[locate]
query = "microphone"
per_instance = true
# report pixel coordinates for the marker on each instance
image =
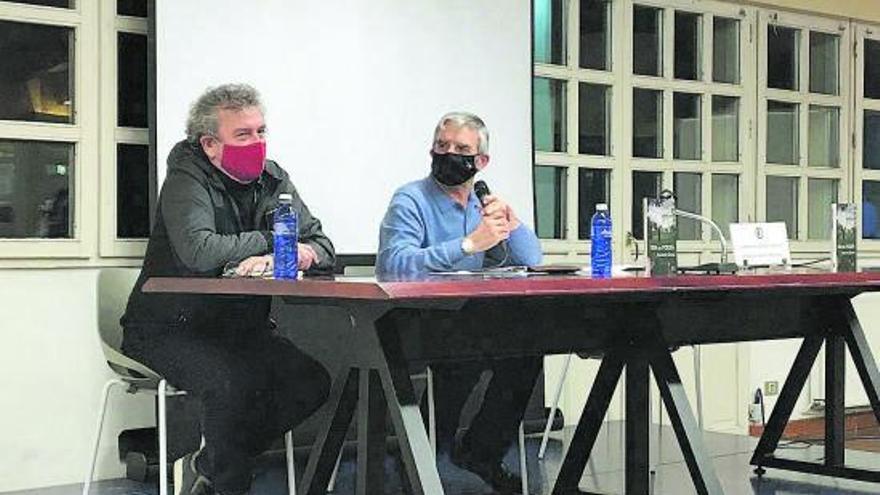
(481, 190)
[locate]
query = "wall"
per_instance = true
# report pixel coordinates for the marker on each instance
(53, 371)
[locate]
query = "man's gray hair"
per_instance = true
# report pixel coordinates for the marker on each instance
(465, 119)
(203, 119)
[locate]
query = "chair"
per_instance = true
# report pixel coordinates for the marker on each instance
(114, 286)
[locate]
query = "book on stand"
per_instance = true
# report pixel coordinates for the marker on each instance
(661, 235)
(843, 236)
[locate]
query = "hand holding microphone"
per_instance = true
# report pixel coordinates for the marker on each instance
(495, 226)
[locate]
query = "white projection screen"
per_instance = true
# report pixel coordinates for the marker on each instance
(353, 89)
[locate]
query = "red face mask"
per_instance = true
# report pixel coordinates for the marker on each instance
(244, 163)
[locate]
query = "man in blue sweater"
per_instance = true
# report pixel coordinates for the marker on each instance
(438, 224)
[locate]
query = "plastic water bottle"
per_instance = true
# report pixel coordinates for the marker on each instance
(285, 233)
(600, 236)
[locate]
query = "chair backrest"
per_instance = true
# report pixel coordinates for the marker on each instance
(114, 286)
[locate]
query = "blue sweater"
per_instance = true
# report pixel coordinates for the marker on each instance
(423, 229)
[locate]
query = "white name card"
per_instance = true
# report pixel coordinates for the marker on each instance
(760, 244)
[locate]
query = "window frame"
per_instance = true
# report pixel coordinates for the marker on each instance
(112, 134)
(804, 99)
(82, 133)
(861, 32)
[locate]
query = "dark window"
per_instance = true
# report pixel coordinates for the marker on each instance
(870, 205)
(36, 80)
(549, 32)
(594, 187)
(647, 41)
(132, 82)
(782, 57)
(687, 46)
(594, 33)
(645, 185)
(550, 184)
(36, 189)
(872, 69)
(132, 191)
(134, 8)
(594, 119)
(647, 123)
(65, 4)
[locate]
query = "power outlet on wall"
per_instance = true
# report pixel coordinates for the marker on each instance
(771, 388)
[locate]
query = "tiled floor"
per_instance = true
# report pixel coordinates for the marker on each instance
(603, 474)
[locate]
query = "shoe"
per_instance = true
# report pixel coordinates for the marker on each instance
(194, 482)
(496, 474)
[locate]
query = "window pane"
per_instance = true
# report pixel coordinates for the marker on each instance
(549, 112)
(725, 202)
(647, 123)
(594, 187)
(647, 41)
(872, 69)
(37, 75)
(687, 127)
(823, 63)
(870, 205)
(132, 191)
(549, 32)
(645, 185)
(824, 148)
(688, 50)
(782, 200)
(595, 48)
(132, 81)
(688, 197)
(725, 129)
(594, 119)
(67, 4)
(782, 57)
(725, 50)
(820, 194)
(134, 8)
(871, 141)
(782, 133)
(36, 184)
(550, 184)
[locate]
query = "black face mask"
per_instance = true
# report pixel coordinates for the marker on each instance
(451, 169)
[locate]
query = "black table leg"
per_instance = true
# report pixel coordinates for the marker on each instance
(371, 435)
(403, 407)
(328, 443)
(835, 416)
(584, 438)
(687, 430)
(860, 352)
(788, 397)
(638, 417)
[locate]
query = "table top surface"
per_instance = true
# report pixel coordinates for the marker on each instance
(520, 285)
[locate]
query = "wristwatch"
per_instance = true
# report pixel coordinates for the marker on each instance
(467, 245)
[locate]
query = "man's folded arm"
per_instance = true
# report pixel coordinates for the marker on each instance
(189, 219)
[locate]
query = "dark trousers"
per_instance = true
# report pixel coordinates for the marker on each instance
(254, 386)
(494, 426)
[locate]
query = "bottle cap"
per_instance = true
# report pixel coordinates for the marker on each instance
(285, 197)
(601, 207)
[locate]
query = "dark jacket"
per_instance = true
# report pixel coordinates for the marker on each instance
(197, 232)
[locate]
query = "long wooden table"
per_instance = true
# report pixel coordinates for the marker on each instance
(633, 323)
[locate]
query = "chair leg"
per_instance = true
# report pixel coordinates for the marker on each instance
(163, 438)
(523, 465)
(291, 470)
(102, 409)
(332, 484)
(556, 394)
